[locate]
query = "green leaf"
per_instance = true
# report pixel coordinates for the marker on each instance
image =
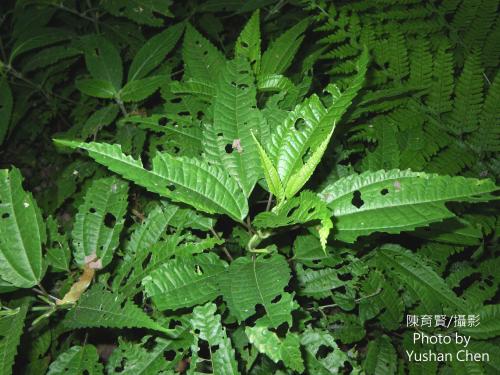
(22, 233)
(270, 173)
(103, 60)
(153, 52)
(303, 209)
(268, 343)
(395, 201)
(6, 105)
(11, 329)
(381, 357)
(202, 60)
(96, 87)
(208, 327)
(185, 281)
(408, 268)
(140, 89)
(100, 220)
(489, 325)
(98, 307)
(203, 89)
(279, 55)
(187, 180)
(312, 340)
(228, 143)
(35, 38)
(77, 360)
(99, 119)
(143, 12)
(248, 42)
(49, 56)
(249, 282)
(59, 254)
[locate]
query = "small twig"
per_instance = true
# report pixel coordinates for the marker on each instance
(224, 248)
(138, 214)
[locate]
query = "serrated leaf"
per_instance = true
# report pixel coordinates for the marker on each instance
(37, 37)
(98, 307)
(205, 90)
(395, 201)
(270, 173)
(96, 87)
(140, 11)
(228, 142)
(268, 343)
(489, 325)
(381, 357)
(303, 209)
(100, 220)
(279, 55)
(312, 340)
(49, 56)
(77, 360)
(185, 281)
(208, 327)
(248, 42)
(22, 232)
(135, 91)
(153, 52)
(188, 180)
(249, 282)
(11, 329)
(6, 105)
(99, 119)
(202, 60)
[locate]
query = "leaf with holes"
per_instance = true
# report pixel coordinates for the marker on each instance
(100, 220)
(77, 360)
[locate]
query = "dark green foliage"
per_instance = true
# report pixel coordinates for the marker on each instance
(248, 187)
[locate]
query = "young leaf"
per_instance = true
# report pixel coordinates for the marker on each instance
(100, 308)
(153, 52)
(286, 350)
(100, 220)
(279, 56)
(250, 282)
(185, 281)
(192, 181)
(22, 232)
(248, 43)
(11, 329)
(395, 201)
(270, 173)
(229, 142)
(208, 326)
(6, 104)
(77, 360)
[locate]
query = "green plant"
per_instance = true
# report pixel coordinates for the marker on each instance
(209, 190)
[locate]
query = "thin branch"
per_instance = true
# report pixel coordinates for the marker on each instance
(269, 202)
(226, 251)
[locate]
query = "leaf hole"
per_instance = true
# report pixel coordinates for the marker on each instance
(384, 191)
(173, 323)
(162, 121)
(5, 215)
(276, 299)
(243, 86)
(169, 355)
(109, 220)
(299, 125)
(229, 148)
(92, 210)
(292, 211)
(171, 187)
(324, 351)
(214, 348)
(244, 44)
(356, 199)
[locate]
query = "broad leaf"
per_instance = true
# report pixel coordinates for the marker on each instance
(185, 281)
(140, 89)
(22, 232)
(248, 43)
(100, 220)
(381, 357)
(77, 360)
(249, 282)
(100, 308)
(192, 181)
(395, 201)
(96, 87)
(207, 325)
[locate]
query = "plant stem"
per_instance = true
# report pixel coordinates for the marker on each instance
(224, 248)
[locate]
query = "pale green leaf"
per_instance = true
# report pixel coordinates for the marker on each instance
(22, 232)
(96, 87)
(100, 220)
(153, 52)
(185, 281)
(101, 308)
(395, 201)
(77, 360)
(270, 173)
(187, 180)
(208, 327)
(312, 340)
